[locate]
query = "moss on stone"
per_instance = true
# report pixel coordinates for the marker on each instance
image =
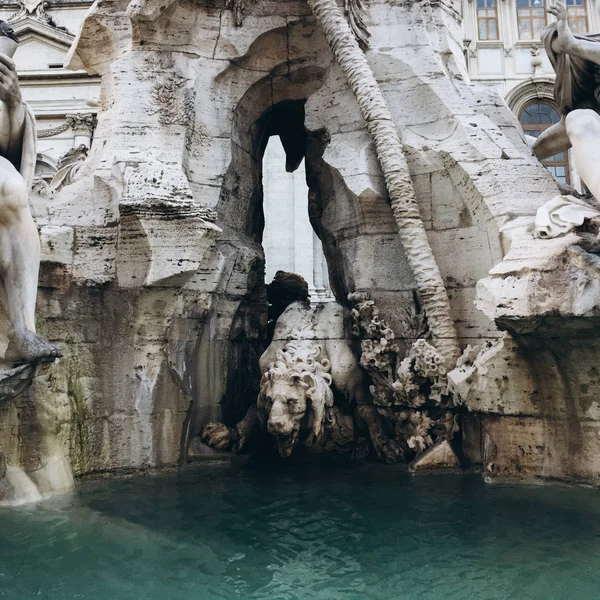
(79, 450)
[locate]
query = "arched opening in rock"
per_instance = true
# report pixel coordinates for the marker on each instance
(351, 227)
(300, 154)
(235, 335)
(289, 240)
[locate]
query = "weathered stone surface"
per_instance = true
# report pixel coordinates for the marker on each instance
(152, 266)
(440, 456)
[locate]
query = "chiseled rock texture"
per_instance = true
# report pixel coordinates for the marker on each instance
(152, 275)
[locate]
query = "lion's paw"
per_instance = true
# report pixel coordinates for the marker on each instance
(217, 435)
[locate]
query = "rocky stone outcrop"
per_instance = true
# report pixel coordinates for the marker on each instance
(152, 266)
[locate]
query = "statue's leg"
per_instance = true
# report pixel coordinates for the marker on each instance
(553, 140)
(583, 129)
(19, 268)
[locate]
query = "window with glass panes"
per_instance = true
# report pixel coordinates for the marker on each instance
(531, 19)
(535, 118)
(577, 13)
(487, 19)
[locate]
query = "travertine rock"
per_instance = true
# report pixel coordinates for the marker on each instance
(440, 456)
(152, 266)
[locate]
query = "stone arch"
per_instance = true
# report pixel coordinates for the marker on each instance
(45, 166)
(234, 336)
(351, 224)
(532, 89)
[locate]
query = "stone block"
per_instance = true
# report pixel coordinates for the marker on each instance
(440, 456)
(464, 255)
(470, 322)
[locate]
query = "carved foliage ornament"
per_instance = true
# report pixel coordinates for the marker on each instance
(357, 15)
(52, 131)
(84, 123)
(80, 123)
(36, 9)
(412, 394)
(174, 103)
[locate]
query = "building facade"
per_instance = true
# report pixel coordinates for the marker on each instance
(289, 240)
(64, 102)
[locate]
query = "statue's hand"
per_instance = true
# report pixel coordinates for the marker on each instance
(564, 40)
(10, 92)
(559, 10)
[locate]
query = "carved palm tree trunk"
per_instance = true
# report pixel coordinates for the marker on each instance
(391, 157)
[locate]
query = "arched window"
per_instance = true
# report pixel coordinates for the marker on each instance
(535, 118)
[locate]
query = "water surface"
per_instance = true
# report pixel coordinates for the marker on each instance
(301, 532)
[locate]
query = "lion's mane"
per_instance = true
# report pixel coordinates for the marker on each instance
(301, 363)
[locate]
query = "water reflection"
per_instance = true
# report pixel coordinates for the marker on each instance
(295, 532)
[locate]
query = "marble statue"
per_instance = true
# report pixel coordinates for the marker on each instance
(68, 167)
(561, 214)
(19, 240)
(313, 392)
(296, 384)
(308, 360)
(576, 61)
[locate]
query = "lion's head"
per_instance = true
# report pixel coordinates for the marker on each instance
(294, 395)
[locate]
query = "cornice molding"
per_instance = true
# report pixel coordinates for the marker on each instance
(28, 24)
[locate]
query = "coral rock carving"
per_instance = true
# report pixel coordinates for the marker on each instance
(411, 394)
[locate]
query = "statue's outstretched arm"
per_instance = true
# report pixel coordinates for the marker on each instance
(552, 141)
(566, 43)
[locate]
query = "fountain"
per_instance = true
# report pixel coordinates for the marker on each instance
(295, 435)
(459, 337)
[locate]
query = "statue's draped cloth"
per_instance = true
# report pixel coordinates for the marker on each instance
(25, 158)
(577, 82)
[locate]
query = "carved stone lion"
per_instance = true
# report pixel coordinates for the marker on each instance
(312, 390)
(295, 393)
(308, 362)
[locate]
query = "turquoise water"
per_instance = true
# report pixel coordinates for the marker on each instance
(291, 532)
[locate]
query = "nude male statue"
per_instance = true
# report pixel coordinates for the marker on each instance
(576, 61)
(19, 240)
